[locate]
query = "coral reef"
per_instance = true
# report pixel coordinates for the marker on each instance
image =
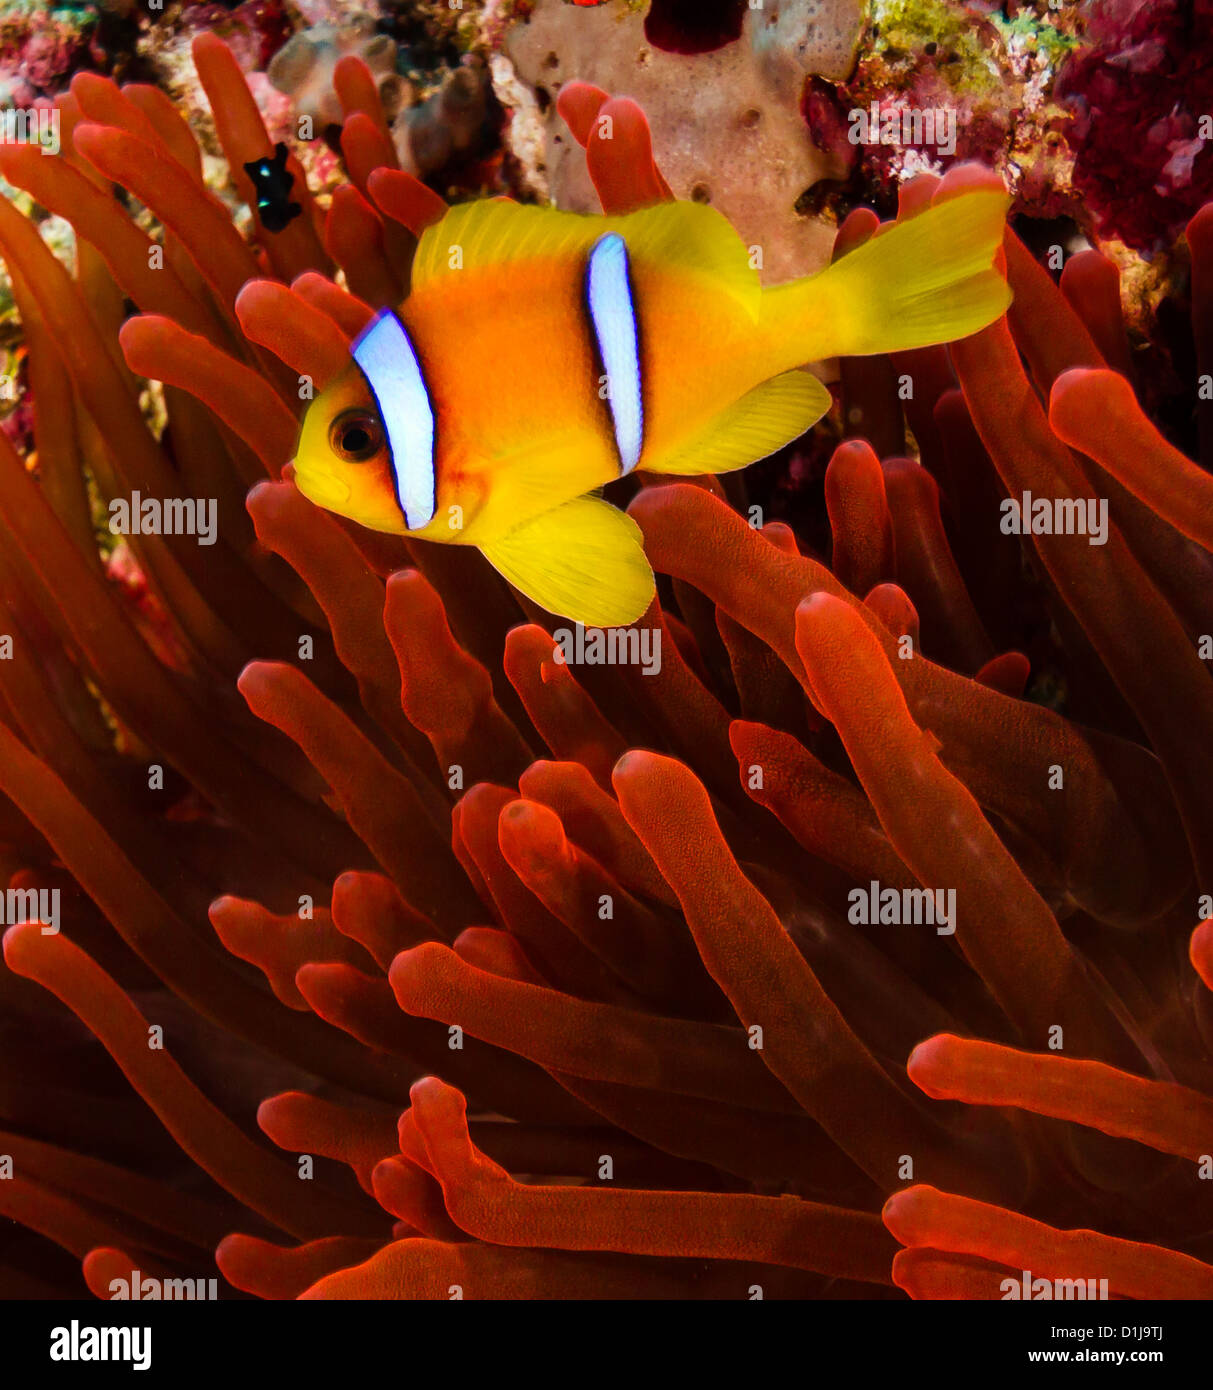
(1091, 113)
(1046, 95)
(254, 30)
(452, 123)
(727, 122)
(992, 74)
(303, 69)
(1141, 91)
(438, 117)
(41, 47)
(548, 978)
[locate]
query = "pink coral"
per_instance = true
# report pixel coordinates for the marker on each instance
(39, 50)
(1140, 89)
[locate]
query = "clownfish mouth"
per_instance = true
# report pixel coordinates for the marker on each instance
(323, 489)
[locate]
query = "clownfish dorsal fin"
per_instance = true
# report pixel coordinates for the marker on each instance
(678, 235)
(583, 561)
(762, 421)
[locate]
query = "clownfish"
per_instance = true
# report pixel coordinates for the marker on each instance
(541, 354)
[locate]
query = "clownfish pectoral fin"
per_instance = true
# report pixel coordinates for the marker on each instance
(762, 421)
(582, 561)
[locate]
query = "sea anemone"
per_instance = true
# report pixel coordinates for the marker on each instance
(554, 969)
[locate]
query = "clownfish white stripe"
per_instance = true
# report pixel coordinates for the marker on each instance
(387, 360)
(613, 315)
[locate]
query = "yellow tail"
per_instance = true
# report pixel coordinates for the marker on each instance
(926, 280)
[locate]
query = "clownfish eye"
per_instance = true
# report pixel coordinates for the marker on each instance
(355, 436)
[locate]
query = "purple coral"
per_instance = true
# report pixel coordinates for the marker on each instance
(1140, 92)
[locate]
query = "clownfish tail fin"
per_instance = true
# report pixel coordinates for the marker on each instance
(929, 279)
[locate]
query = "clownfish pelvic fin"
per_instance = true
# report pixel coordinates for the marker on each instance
(584, 558)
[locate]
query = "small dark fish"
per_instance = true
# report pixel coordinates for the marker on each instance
(272, 184)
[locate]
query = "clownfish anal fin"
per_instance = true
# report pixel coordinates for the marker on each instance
(582, 561)
(761, 422)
